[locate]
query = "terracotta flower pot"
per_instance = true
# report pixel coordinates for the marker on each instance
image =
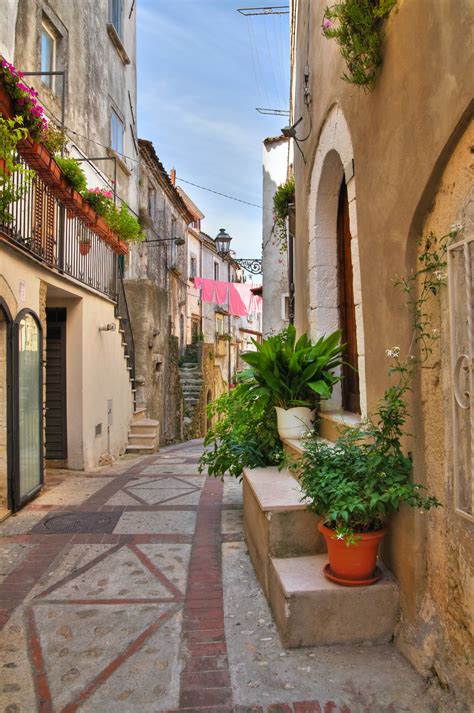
(84, 247)
(353, 565)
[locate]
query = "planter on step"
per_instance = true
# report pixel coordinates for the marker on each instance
(294, 422)
(355, 564)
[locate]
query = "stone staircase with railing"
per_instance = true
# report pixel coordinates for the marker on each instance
(289, 553)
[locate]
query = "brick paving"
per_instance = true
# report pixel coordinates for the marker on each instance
(141, 618)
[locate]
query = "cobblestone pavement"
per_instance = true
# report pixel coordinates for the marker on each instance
(131, 590)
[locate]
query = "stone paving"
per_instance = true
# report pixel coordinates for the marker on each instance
(151, 604)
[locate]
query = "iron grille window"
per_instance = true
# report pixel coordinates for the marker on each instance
(461, 312)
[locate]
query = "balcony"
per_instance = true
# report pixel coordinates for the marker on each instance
(61, 235)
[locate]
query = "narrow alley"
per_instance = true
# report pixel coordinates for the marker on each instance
(132, 589)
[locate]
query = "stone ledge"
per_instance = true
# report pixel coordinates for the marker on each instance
(310, 610)
(275, 490)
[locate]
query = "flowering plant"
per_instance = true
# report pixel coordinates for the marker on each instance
(72, 171)
(358, 481)
(100, 199)
(123, 223)
(25, 102)
(11, 190)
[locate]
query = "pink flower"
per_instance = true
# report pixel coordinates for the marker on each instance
(21, 102)
(327, 24)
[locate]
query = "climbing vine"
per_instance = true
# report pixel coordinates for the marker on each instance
(283, 198)
(11, 189)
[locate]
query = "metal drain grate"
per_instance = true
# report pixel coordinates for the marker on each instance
(78, 522)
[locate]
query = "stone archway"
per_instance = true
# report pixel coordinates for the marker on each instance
(333, 165)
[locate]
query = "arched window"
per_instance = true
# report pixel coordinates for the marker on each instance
(28, 407)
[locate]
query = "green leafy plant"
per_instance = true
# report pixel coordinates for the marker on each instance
(356, 483)
(123, 223)
(283, 198)
(53, 139)
(294, 372)
(72, 172)
(244, 435)
(11, 189)
(356, 25)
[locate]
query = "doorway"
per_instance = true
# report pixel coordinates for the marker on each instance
(56, 409)
(5, 408)
(27, 448)
(346, 306)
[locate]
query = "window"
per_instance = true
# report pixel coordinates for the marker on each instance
(174, 252)
(116, 132)
(216, 270)
(48, 56)
(193, 267)
(219, 324)
(116, 14)
(151, 202)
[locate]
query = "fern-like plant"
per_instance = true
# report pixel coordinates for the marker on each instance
(11, 190)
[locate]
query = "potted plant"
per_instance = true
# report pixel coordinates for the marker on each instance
(356, 483)
(297, 374)
(85, 245)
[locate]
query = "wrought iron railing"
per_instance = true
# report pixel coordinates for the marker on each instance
(125, 321)
(41, 225)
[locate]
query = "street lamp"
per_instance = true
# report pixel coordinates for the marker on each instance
(222, 242)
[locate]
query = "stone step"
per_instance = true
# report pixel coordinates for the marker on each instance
(333, 422)
(145, 426)
(309, 610)
(140, 450)
(295, 446)
(276, 521)
(189, 401)
(142, 439)
(138, 415)
(191, 390)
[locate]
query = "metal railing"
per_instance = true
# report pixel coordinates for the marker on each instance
(41, 225)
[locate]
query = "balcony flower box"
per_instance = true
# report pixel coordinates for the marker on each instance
(6, 104)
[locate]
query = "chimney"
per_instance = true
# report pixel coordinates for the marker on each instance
(173, 176)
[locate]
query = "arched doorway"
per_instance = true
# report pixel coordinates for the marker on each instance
(350, 396)
(6, 430)
(27, 407)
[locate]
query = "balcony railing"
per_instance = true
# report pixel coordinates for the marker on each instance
(45, 228)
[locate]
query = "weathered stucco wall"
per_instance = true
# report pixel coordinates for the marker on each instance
(97, 78)
(275, 261)
(95, 364)
(402, 136)
(440, 642)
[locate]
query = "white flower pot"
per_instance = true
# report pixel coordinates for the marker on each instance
(294, 422)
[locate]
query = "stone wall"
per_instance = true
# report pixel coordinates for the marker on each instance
(156, 372)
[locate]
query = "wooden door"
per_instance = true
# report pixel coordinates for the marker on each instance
(347, 319)
(56, 421)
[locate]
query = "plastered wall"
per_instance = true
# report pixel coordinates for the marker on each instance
(95, 364)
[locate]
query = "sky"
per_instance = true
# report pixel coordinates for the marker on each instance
(202, 70)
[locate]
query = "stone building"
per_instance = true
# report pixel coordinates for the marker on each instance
(376, 171)
(58, 306)
(157, 295)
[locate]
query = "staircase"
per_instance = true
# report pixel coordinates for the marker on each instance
(289, 553)
(143, 437)
(191, 383)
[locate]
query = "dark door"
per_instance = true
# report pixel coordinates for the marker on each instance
(347, 320)
(56, 421)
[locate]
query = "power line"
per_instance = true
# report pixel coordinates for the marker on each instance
(232, 198)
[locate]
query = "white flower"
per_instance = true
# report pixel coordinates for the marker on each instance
(456, 228)
(435, 331)
(393, 353)
(340, 536)
(440, 275)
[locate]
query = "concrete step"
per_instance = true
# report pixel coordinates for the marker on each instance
(276, 521)
(138, 415)
(140, 450)
(144, 426)
(142, 439)
(332, 423)
(309, 610)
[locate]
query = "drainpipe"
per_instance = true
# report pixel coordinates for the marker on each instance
(291, 283)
